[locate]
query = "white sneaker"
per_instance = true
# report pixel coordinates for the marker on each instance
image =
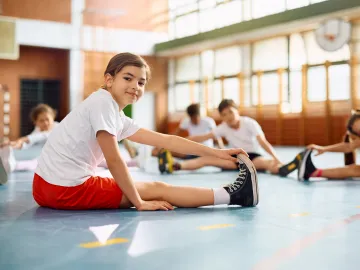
(8, 159)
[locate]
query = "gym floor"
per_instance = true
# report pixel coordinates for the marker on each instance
(312, 225)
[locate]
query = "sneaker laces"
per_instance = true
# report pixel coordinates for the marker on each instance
(238, 182)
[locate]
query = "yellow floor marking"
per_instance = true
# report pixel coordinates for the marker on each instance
(107, 243)
(216, 226)
(303, 214)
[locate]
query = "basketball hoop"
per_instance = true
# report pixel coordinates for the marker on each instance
(330, 37)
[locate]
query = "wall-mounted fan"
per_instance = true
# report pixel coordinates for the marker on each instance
(333, 34)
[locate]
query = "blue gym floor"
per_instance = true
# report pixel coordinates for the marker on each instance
(314, 225)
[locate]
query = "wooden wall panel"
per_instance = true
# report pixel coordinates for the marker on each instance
(48, 10)
(290, 131)
(34, 63)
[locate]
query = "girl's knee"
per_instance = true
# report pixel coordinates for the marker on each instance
(355, 170)
(159, 186)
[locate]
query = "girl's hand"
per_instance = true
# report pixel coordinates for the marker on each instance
(155, 205)
(229, 153)
(17, 144)
(320, 149)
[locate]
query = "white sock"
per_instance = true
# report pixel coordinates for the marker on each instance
(221, 196)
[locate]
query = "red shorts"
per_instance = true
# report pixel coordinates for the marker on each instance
(95, 193)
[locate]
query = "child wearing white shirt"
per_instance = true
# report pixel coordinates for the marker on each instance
(65, 176)
(239, 131)
(43, 118)
(194, 125)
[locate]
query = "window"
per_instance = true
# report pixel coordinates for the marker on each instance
(254, 90)
(247, 93)
(182, 7)
(207, 64)
(270, 54)
(316, 84)
(291, 4)
(182, 96)
(227, 61)
(231, 89)
(186, 25)
(339, 82)
(295, 91)
(207, 21)
(228, 13)
(187, 68)
(263, 8)
(171, 100)
(297, 52)
(216, 94)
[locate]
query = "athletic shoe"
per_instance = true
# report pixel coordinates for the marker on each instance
(292, 166)
(165, 161)
(244, 191)
(306, 167)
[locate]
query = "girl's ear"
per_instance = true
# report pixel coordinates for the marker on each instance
(108, 80)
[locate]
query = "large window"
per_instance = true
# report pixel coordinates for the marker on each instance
(277, 66)
(206, 15)
(339, 82)
(270, 54)
(227, 61)
(316, 84)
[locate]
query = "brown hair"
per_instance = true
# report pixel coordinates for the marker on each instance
(121, 60)
(226, 103)
(193, 110)
(41, 108)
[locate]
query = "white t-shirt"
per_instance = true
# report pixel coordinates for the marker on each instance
(38, 136)
(243, 137)
(205, 126)
(72, 153)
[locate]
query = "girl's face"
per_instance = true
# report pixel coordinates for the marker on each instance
(44, 121)
(127, 86)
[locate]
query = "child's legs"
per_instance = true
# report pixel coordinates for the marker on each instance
(265, 164)
(352, 170)
(200, 162)
(179, 196)
(155, 152)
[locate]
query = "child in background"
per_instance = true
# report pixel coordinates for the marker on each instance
(65, 176)
(43, 117)
(195, 125)
(307, 168)
(241, 132)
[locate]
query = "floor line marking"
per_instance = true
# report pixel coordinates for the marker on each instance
(109, 242)
(215, 226)
(303, 214)
(295, 248)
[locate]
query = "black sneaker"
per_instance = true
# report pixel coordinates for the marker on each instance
(3, 174)
(306, 167)
(244, 191)
(165, 161)
(292, 166)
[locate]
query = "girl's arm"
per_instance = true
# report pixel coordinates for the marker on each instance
(343, 147)
(181, 145)
(120, 172)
